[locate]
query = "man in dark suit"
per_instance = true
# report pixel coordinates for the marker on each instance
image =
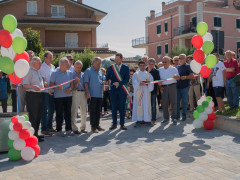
(119, 75)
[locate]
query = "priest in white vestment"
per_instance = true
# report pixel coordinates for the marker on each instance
(142, 95)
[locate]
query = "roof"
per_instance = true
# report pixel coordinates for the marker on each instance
(56, 21)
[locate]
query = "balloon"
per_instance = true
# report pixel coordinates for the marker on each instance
(197, 41)
(24, 134)
(12, 135)
(208, 47)
(31, 130)
(26, 117)
(211, 104)
(208, 110)
(213, 108)
(24, 56)
(21, 119)
(21, 68)
(5, 39)
(37, 150)
(14, 155)
(207, 37)
(31, 141)
(209, 98)
(199, 56)
(212, 116)
(6, 65)
(19, 44)
(200, 109)
(16, 33)
(9, 23)
(205, 71)
(14, 119)
(27, 125)
(211, 61)
(195, 115)
(202, 28)
(208, 125)
(10, 143)
(205, 104)
(17, 126)
(14, 79)
(8, 52)
(28, 154)
(199, 102)
(203, 116)
(195, 66)
(203, 98)
(197, 123)
(19, 144)
(11, 126)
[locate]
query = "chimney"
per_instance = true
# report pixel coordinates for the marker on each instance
(163, 3)
(152, 14)
(79, 1)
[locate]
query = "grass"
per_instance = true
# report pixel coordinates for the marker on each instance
(228, 112)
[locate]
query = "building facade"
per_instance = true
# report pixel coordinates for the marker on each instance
(64, 25)
(176, 25)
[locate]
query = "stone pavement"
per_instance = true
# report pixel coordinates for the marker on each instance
(161, 152)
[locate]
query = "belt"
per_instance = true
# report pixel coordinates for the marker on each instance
(80, 90)
(168, 85)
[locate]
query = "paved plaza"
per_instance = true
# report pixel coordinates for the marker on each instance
(159, 152)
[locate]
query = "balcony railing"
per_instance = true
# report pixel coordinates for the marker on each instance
(139, 41)
(75, 45)
(184, 30)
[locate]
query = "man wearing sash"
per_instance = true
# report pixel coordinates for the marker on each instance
(142, 95)
(119, 75)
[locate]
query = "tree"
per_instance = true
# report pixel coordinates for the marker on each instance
(33, 40)
(176, 50)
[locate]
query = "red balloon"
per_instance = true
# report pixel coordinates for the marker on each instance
(17, 126)
(212, 116)
(31, 141)
(37, 150)
(5, 39)
(199, 56)
(14, 79)
(24, 55)
(208, 124)
(197, 41)
(213, 108)
(14, 119)
(24, 134)
(205, 71)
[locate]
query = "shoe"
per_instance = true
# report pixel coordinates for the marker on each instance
(129, 117)
(77, 132)
(70, 133)
(113, 127)
(142, 122)
(46, 133)
(60, 133)
(78, 116)
(178, 118)
(165, 121)
(40, 139)
(94, 130)
(174, 121)
(100, 129)
(149, 124)
(138, 124)
(123, 128)
(52, 130)
(183, 119)
(154, 123)
(40, 136)
(83, 131)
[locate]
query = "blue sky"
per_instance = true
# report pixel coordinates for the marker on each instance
(125, 21)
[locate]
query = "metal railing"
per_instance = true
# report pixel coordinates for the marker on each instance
(61, 44)
(184, 29)
(139, 41)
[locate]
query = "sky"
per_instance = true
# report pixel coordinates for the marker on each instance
(125, 21)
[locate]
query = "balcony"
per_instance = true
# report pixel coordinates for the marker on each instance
(186, 31)
(140, 42)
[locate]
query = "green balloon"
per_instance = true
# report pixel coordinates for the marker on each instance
(10, 143)
(205, 104)
(208, 98)
(19, 44)
(211, 61)
(195, 115)
(14, 155)
(200, 109)
(6, 65)
(9, 23)
(26, 117)
(208, 47)
(202, 28)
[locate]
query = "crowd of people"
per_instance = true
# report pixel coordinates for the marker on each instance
(130, 91)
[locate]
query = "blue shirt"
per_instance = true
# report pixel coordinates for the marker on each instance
(3, 88)
(81, 82)
(59, 77)
(94, 81)
(184, 70)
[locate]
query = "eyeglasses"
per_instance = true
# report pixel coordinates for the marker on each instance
(165, 62)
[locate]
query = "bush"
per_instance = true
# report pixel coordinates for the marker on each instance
(176, 51)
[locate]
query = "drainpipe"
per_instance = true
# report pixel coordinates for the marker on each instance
(171, 33)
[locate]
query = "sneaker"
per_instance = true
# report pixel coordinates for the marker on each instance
(165, 121)
(138, 124)
(69, 133)
(183, 119)
(46, 133)
(174, 121)
(60, 133)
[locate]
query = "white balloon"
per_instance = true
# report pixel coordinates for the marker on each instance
(208, 110)
(31, 130)
(203, 98)
(197, 123)
(8, 52)
(11, 126)
(16, 33)
(21, 119)
(12, 135)
(19, 144)
(195, 66)
(27, 125)
(211, 104)
(199, 102)
(207, 37)
(28, 153)
(21, 68)
(203, 116)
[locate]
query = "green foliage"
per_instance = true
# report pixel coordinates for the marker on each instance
(176, 51)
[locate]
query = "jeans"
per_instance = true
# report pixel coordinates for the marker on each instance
(182, 94)
(47, 111)
(232, 93)
(153, 104)
(14, 100)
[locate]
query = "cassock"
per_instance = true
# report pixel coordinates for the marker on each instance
(142, 96)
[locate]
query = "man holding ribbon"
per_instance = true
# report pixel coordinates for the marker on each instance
(119, 75)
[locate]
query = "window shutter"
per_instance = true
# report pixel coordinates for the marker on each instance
(159, 29)
(34, 7)
(159, 50)
(29, 7)
(215, 21)
(238, 23)
(220, 22)
(61, 11)
(54, 11)
(166, 48)
(166, 27)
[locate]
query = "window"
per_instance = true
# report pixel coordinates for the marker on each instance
(58, 11)
(166, 26)
(238, 23)
(194, 21)
(166, 48)
(71, 40)
(217, 22)
(159, 50)
(159, 29)
(31, 7)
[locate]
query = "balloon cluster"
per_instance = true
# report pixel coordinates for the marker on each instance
(204, 114)
(204, 46)
(21, 141)
(13, 46)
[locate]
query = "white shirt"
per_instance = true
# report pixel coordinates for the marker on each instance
(217, 79)
(119, 67)
(168, 73)
(46, 72)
